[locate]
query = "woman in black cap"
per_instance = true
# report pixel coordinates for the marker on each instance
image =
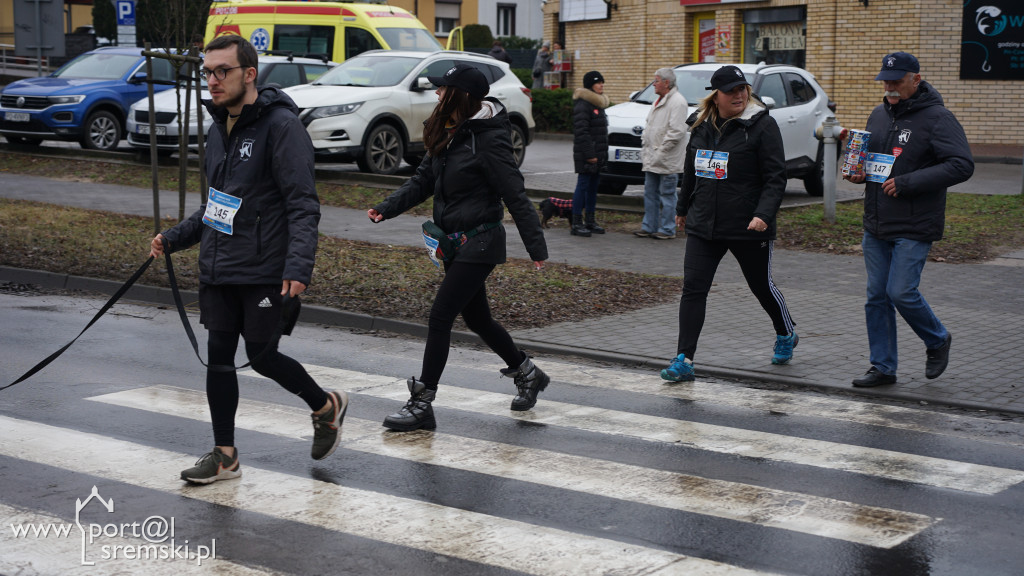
(469, 170)
(589, 150)
(733, 181)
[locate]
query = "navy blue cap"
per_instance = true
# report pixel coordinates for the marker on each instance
(465, 78)
(896, 66)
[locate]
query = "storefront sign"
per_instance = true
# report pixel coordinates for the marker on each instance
(992, 41)
(707, 40)
(780, 36)
(724, 47)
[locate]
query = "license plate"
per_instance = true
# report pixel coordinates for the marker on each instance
(628, 155)
(17, 117)
(160, 130)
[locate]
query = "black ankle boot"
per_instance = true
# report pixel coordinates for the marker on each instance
(592, 224)
(530, 380)
(417, 412)
(578, 229)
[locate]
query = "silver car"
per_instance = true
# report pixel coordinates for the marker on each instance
(278, 68)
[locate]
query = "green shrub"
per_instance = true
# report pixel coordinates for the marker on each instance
(552, 110)
(477, 36)
(519, 43)
(525, 76)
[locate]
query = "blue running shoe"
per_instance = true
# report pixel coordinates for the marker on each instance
(784, 346)
(680, 370)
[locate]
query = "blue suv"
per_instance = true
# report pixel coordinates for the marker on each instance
(86, 100)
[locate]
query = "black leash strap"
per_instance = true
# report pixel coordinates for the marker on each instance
(117, 295)
(289, 314)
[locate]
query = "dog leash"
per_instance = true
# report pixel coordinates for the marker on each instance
(289, 315)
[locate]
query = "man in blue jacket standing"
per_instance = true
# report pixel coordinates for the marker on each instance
(258, 238)
(916, 150)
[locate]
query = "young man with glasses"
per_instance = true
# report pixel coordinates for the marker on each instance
(258, 238)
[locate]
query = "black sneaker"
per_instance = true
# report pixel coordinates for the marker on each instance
(213, 466)
(327, 426)
(642, 233)
(873, 378)
(417, 412)
(938, 359)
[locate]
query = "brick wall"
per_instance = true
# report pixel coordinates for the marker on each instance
(845, 44)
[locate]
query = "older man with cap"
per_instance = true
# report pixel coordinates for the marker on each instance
(916, 150)
(663, 149)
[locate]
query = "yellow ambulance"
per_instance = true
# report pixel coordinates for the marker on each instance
(339, 29)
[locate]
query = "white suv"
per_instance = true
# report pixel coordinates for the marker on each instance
(371, 108)
(795, 99)
(278, 67)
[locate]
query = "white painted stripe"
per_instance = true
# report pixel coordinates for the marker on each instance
(777, 402)
(380, 517)
(826, 517)
(722, 439)
(53, 554)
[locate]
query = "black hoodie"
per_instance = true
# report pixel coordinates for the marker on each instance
(932, 154)
(267, 162)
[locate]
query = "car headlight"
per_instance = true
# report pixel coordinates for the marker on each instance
(338, 110)
(65, 99)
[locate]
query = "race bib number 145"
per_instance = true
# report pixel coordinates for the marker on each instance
(220, 211)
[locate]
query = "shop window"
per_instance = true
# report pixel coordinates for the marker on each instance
(775, 36)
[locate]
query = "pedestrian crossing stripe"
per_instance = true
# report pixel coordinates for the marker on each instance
(930, 471)
(62, 555)
(452, 532)
(827, 517)
(775, 402)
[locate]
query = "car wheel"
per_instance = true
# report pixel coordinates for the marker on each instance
(613, 188)
(23, 141)
(383, 151)
(414, 158)
(102, 131)
(814, 183)
(518, 144)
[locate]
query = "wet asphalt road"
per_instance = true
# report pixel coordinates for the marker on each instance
(613, 471)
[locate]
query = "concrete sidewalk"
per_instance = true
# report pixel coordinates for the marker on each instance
(981, 304)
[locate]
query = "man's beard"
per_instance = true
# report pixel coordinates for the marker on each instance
(235, 100)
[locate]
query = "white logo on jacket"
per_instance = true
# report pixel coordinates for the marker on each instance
(245, 151)
(904, 137)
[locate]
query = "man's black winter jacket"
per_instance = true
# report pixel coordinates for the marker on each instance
(268, 163)
(932, 154)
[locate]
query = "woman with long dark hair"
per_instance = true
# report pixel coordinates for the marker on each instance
(469, 171)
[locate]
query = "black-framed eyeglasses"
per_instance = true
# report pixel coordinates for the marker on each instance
(219, 73)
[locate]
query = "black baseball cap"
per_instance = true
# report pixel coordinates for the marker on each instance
(726, 78)
(465, 78)
(896, 66)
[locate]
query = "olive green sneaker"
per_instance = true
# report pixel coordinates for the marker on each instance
(213, 466)
(327, 426)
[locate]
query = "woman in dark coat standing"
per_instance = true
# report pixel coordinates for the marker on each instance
(589, 150)
(469, 171)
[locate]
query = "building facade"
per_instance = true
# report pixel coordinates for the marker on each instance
(841, 42)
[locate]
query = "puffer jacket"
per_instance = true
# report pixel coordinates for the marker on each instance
(664, 136)
(268, 163)
(932, 154)
(469, 182)
(589, 130)
(755, 177)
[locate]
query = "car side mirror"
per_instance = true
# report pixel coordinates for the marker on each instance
(768, 101)
(423, 85)
(138, 78)
(633, 94)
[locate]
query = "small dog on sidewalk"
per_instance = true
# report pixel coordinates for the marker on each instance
(552, 207)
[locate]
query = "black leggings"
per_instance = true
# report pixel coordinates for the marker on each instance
(699, 267)
(222, 387)
(463, 291)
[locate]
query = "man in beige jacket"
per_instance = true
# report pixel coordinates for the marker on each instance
(664, 151)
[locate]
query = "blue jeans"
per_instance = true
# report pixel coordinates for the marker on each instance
(585, 195)
(660, 203)
(894, 273)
